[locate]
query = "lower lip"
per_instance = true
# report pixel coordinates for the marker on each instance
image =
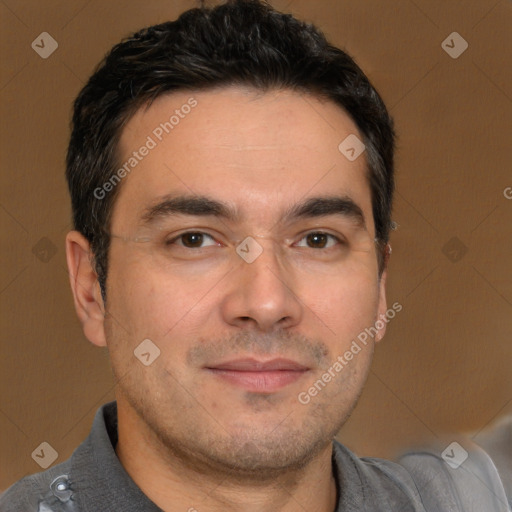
(260, 382)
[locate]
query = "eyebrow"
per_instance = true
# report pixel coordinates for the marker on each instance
(202, 206)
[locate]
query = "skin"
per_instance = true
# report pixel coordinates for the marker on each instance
(189, 439)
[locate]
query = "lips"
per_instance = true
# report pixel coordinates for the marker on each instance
(253, 365)
(259, 376)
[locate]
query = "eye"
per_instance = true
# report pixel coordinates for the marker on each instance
(319, 240)
(192, 240)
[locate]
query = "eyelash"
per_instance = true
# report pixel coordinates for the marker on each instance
(173, 240)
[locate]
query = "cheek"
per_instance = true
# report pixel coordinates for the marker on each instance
(346, 301)
(132, 295)
(153, 304)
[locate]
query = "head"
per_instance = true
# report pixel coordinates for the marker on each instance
(226, 123)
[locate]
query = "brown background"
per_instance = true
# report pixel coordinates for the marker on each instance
(445, 362)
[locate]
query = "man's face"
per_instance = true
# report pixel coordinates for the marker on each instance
(300, 289)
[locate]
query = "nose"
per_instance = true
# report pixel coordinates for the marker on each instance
(260, 295)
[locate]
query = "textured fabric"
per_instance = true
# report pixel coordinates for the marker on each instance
(97, 479)
(497, 442)
(93, 480)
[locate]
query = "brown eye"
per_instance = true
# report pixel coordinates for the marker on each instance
(192, 240)
(319, 240)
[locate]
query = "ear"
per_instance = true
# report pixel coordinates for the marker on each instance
(382, 307)
(85, 287)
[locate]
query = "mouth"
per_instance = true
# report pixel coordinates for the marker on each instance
(259, 376)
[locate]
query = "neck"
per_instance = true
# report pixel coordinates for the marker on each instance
(172, 484)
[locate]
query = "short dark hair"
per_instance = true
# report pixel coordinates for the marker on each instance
(240, 42)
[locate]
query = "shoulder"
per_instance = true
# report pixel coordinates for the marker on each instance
(457, 475)
(55, 489)
(497, 442)
(367, 483)
(41, 492)
(423, 480)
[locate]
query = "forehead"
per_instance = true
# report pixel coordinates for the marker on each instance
(257, 151)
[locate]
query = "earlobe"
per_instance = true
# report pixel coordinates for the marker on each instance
(85, 287)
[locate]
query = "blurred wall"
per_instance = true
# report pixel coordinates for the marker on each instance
(445, 361)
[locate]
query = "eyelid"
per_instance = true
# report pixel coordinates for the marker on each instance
(341, 240)
(175, 237)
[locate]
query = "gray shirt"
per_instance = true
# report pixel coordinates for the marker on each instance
(93, 480)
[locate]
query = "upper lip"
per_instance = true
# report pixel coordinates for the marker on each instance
(253, 365)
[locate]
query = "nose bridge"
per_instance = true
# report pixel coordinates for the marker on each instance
(262, 290)
(261, 266)
(263, 258)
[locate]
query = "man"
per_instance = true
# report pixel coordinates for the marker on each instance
(231, 176)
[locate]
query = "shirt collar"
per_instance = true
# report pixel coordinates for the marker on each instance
(102, 483)
(97, 474)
